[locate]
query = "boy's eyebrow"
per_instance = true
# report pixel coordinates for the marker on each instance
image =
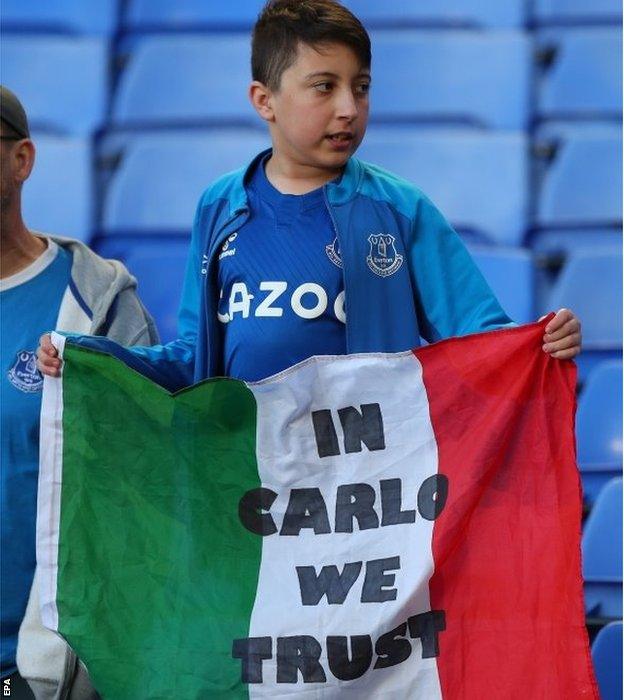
(328, 74)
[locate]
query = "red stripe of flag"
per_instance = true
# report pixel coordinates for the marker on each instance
(506, 546)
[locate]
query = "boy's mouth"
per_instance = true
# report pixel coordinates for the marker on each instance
(341, 137)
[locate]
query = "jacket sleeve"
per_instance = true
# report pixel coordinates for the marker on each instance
(171, 365)
(452, 296)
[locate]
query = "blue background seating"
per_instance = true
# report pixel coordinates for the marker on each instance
(582, 185)
(185, 79)
(459, 169)
(585, 76)
(161, 176)
(577, 11)
(599, 427)
(159, 15)
(57, 197)
(509, 272)
(416, 77)
(61, 81)
(602, 553)
(156, 15)
(72, 16)
(607, 658)
(453, 13)
(562, 242)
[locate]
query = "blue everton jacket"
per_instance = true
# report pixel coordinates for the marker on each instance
(407, 275)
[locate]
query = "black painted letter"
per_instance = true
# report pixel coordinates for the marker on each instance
(426, 627)
(373, 590)
(355, 501)
(299, 654)
(392, 648)
(391, 496)
(249, 508)
(306, 508)
(325, 434)
(432, 496)
(252, 651)
(329, 582)
(365, 427)
(340, 665)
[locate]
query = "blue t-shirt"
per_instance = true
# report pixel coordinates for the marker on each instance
(30, 301)
(281, 284)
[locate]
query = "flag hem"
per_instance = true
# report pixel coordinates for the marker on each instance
(50, 483)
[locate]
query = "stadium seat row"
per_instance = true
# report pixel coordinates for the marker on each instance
(607, 658)
(599, 428)
(151, 189)
(172, 80)
(602, 554)
(102, 17)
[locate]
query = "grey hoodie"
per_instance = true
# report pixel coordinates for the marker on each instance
(101, 299)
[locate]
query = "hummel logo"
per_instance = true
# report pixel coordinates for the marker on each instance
(226, 251)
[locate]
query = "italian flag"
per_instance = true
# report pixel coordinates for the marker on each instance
(369, 526)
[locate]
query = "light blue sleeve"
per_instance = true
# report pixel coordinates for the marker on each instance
(452, 296)
(171, 365)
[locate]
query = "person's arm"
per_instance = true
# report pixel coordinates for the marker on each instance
(452, 296)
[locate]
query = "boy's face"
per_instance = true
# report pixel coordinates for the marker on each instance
(318, 115)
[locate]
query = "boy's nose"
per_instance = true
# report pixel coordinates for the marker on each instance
(346, 107)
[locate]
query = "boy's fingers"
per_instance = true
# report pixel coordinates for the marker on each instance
(571, 342)
(561, 317)
(568, 328)
(565, 354)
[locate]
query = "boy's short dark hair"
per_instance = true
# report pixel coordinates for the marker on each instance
(282, 24)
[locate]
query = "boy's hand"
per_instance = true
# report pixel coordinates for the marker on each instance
(48, 361)
(562, 339)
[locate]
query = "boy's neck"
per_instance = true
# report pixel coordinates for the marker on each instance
(289, 178)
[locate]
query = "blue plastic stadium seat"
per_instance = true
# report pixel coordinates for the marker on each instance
(185, 79)
(417, 77)
(148, 15)
(563, 242)
(161, 177)
(584, 78)
(590, 283)
(57, 197)
(159, 267)
(602, 554)
(607, 657)
(599, 428)
(460, 169)
(455, 13)
(577, 11)
(582, 185)
(163, 15)
(72, 16)
(509, 272)
(61, 81)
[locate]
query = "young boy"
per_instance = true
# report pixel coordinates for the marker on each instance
(307, 250)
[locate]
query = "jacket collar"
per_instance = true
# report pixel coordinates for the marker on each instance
(337, 192)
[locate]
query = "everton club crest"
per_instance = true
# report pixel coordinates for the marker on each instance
(24, 374)
(383, 258)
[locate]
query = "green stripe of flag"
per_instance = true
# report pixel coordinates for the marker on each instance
(153, 517)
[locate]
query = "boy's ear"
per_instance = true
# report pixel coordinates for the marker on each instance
(260, 97)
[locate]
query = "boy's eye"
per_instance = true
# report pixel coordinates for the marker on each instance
(323, 87)
(363, 88)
